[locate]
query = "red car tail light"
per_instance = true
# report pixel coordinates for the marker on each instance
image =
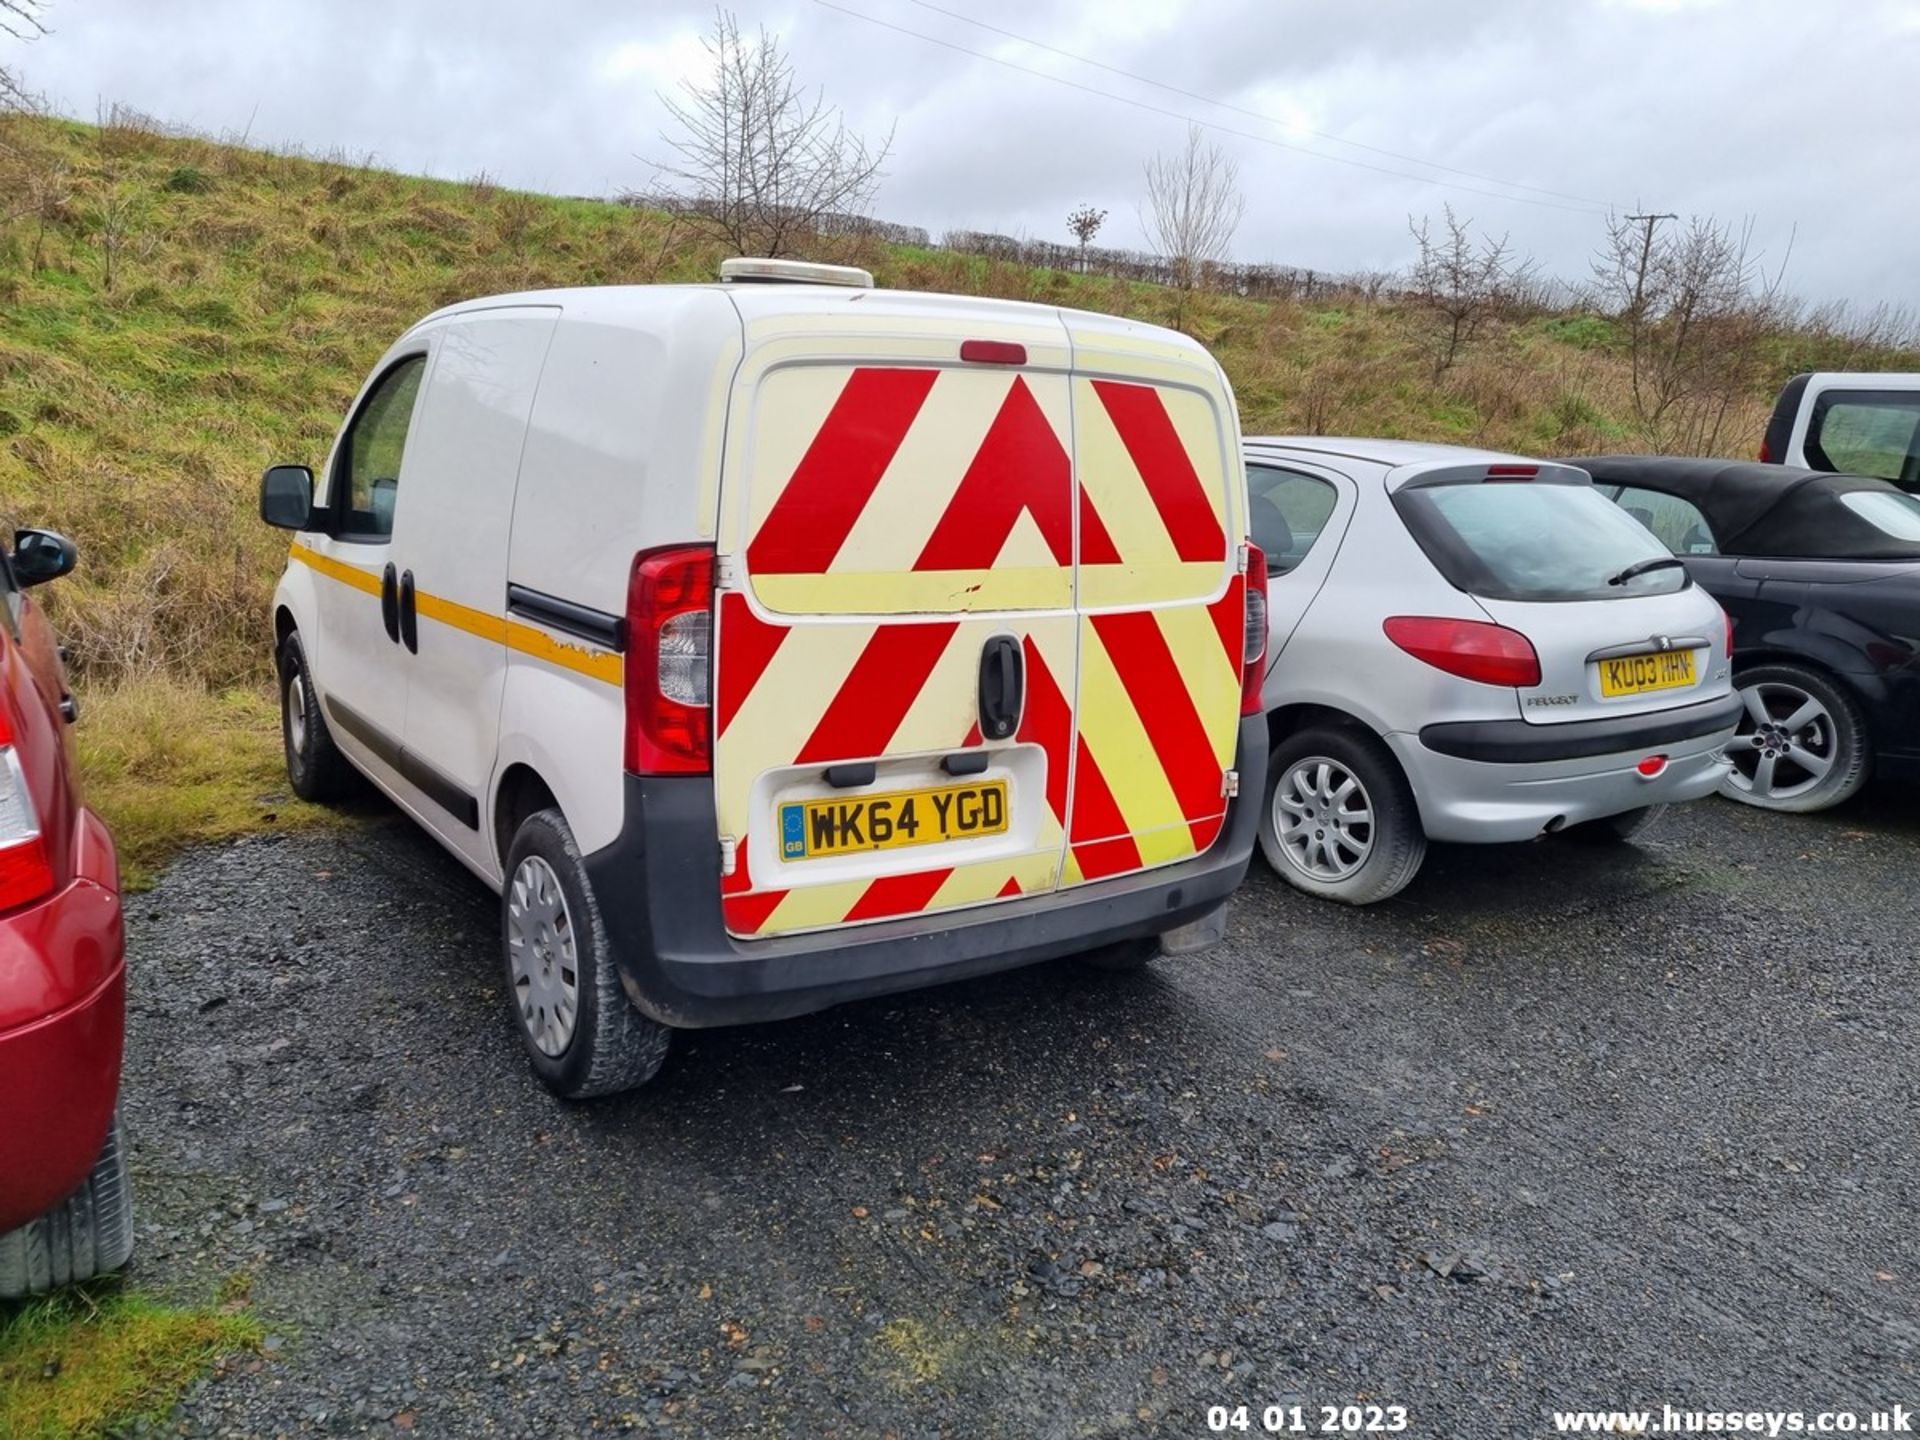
(26, 874)
(670, 662)
(1471, 649)
(1253, 670)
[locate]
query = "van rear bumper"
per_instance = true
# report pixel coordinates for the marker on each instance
(658, 889)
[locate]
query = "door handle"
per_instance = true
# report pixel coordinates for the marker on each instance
(409, 620)
(390, 603)
(1001, 673)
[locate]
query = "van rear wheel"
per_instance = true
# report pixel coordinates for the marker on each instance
(583, 1036)
(316, 769)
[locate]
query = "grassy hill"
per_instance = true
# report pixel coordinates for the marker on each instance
(175, 314)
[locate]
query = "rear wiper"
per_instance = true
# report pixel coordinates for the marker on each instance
(1641, 567)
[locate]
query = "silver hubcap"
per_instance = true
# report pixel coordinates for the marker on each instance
(542, 956)
(297, 712)
(1786, 742)
(1323, 818)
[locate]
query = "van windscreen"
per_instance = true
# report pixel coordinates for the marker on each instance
(1537, 540)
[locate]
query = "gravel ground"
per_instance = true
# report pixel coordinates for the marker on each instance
(1558, 1127)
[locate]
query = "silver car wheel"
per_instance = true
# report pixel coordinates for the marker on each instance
(297, 712)
(542, 955)
(1324, 818)
(1785, 744)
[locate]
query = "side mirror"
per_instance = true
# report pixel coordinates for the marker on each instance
(41, 555)
(286, 496)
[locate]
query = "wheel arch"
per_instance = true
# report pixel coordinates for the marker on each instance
(522, 791)
(1288, 720)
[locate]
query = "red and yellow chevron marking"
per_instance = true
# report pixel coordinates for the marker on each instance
(968, 477)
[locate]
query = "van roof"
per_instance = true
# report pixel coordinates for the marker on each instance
(640, 306)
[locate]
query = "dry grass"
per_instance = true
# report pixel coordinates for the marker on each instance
(251, 291)
(171, 764)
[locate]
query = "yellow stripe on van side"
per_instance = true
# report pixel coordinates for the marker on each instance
(349, 575)
(601, 665)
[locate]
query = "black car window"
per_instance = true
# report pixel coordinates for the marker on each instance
(1677, 523)
(1867, 432)
(1889, 513)
(1288, 510)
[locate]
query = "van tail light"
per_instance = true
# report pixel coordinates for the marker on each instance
(1254, 654)
(670, 662)
(1471, 649)
(26, 874)
(1766, 452)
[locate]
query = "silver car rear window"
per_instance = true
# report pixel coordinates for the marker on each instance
(1537, 540)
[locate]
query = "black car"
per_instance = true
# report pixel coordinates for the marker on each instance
(1820, 574)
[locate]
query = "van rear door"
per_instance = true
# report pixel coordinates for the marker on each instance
(895, 630)
(1162, 630)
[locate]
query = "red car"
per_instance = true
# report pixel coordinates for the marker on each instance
(65, 1208)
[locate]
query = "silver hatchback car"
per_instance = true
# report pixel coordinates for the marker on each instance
(1469, 646)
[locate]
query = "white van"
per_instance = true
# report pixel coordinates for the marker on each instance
(782, 641)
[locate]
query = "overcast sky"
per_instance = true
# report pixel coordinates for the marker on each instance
(1791, 113)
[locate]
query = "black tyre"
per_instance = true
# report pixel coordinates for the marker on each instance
(315, 767)
(1123, 957)
(582, 1035)
(1628, 825)
(1339, 819)
(1802, 742)
(89, 1233)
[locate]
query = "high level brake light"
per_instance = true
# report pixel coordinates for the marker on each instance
(26, 874)
(1471, 649)
(1254, 650)
(670, 662)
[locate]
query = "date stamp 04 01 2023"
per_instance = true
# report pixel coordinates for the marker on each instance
(1307, 1419)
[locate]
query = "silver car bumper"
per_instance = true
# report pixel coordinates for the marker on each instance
(1483, 802)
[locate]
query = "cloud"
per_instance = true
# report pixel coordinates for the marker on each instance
(1767, 109)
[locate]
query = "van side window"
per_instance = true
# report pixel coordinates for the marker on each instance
(1286, 513)
(1677, 523)
(1866, 432)
(369, 464)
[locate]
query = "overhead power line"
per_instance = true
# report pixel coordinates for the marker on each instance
(1255, 114)
(1585, 208)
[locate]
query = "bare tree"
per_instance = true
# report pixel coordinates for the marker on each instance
(1462, 283)
(1085, 223)
(19, 20)
(766, 165)
(1697, 309)
(1193, 207)
(115, 220)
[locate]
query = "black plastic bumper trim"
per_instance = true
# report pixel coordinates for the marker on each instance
(658, 890)
(1516, 742)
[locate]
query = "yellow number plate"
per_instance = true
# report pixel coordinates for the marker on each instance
(1639, 674)
(811, 829)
